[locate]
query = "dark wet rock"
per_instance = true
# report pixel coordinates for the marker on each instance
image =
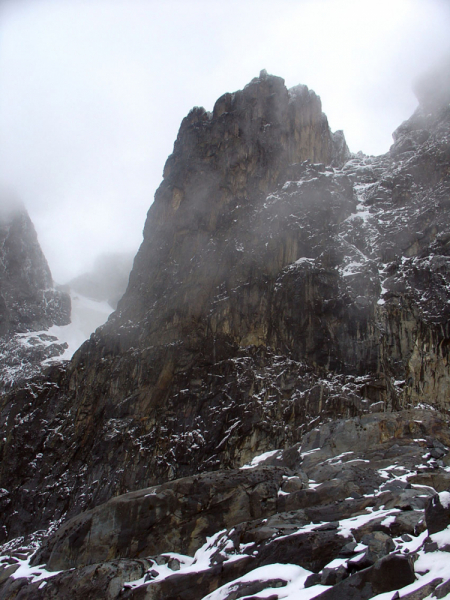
(28, 300)
(412, 499)
(351, 437)
(390, 573)
(437, 512)
(430, 547)
(192, 586)
(293, 484)
(313, 579)
(423, 591)
(378, 544)
(104, 580)
(310, 550)
(442, 590)
(13, 587)
(338, 509)
(410, 522)
(246, 589)
(259, 530)
(436, 479)
(437, 453)
(7, 572)
(348, 550)
(332, 576)
(176, 516)
(396, 485)
(325, 493)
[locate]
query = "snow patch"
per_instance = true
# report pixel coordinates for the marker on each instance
(259, 459)
(444, 499)
(86, 316)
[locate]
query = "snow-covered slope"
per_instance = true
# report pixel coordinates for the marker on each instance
(24, 355)
(86, 316)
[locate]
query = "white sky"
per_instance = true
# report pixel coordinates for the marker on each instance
(93, 93)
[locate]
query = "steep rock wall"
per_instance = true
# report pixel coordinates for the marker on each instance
(271, 292)
(27, 298)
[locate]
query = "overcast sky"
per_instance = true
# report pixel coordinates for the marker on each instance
(93, 92)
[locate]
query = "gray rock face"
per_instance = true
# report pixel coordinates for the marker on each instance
(279, 287)
(234, 524)
(388, 574)
(437, 512)
(28, 300)
(176, 516)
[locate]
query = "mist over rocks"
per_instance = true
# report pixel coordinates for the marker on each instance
(432, 89)
(289, 300)
(29, 301)
(107, 280)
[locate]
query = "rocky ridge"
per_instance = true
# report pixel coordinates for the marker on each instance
(273, 293)
(29, 303)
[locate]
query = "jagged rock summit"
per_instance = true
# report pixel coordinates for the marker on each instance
(198, 296)
(282, 285)
(28, 300)
(223, 164)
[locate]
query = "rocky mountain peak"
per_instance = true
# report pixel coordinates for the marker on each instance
(28, 300)
(26, 286)
(255, 130)
(285, 303)
(222, 164)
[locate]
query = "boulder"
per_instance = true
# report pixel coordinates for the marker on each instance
(388, 574)
(310, 550)
(191, 586)
(176, 516)
(437, 512)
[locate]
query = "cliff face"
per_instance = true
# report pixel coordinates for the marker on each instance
(280, 283)
(222, 166)
(28, 301)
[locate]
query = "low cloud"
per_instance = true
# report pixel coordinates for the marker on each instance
(93, 93)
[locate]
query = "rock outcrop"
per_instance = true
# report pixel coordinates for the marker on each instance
(178, 516)
(282, 284)
(28, 300)
(340, 515)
